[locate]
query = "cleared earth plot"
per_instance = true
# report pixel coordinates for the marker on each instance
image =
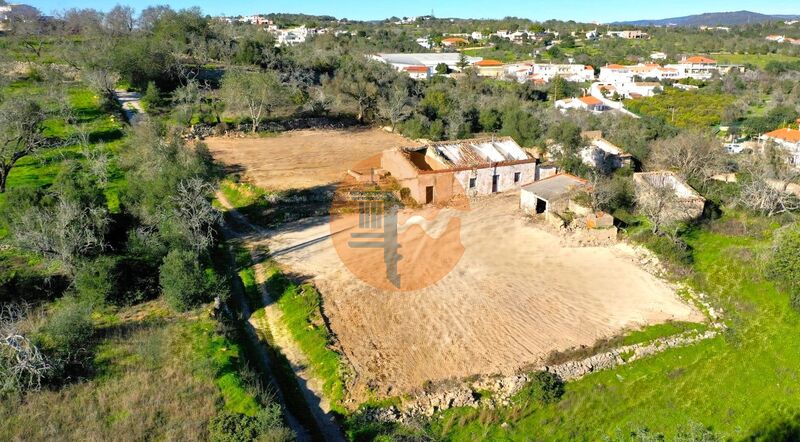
(515, 296)
(303, 158)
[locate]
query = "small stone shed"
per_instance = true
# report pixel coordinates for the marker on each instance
(549, 194)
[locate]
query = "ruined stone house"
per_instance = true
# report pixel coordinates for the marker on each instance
(437, 172)
(685, 203)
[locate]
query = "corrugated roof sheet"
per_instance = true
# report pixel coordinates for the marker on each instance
(555, 186)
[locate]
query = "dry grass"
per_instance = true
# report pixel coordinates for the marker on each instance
(148, 386)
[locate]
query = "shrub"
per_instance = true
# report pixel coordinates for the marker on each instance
(794, 300)
(68, 327)
(95, 281)
(696, 432)
(784, 265)
(152, 96)
(235, 427)
(546, 387)
(182, 280)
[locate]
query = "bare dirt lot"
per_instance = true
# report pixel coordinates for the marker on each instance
(304, 158)
(515, 295)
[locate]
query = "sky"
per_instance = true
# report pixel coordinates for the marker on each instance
(540, 10)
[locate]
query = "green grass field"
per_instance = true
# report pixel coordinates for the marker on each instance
(39, 170)
(758, 60)
(496, 54)
(744, 383)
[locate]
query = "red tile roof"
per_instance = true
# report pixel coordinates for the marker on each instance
(791, 135)
(616, 66)
(700, 60)
(591, 101)
(489, 63)
(416, 68)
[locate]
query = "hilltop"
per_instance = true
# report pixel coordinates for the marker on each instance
(712, 19)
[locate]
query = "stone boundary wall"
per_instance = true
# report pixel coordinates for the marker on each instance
(200, 131)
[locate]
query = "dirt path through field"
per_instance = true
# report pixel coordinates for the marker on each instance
(310, 385)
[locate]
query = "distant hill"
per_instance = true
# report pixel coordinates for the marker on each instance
(712, 19)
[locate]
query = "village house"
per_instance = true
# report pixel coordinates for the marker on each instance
(519, 71)
(570, 72)
(431, 60)
(438, 172)
(629, 35)
(687, 204)
(293, 36)
(620, 74)
(587, 103)
(518, 37)
(697, 67)
(418, 72)
(490, 68)
(255, 20)
(452, 42)
(788, 139)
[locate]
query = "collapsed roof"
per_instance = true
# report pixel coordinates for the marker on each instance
(473, 153)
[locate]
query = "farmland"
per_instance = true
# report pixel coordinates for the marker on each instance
(304, 158)
(379, 332)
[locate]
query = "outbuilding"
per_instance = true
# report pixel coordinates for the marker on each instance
(549, 194)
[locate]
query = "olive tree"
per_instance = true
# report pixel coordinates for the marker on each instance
(766, 182)
(395, 106)
(252, 94)
(695, 156)
(358, 84)
(195, 214)
(20, 133)
(64, 231)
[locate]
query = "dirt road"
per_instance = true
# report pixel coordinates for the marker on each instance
(131, 104)
(310, 386)
(515, 296)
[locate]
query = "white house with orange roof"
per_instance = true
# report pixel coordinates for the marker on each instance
(490, 68)
(451, 42)
(418, 72)
(620, 74)
(697, 67)
(788, 139)
(587, 103)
